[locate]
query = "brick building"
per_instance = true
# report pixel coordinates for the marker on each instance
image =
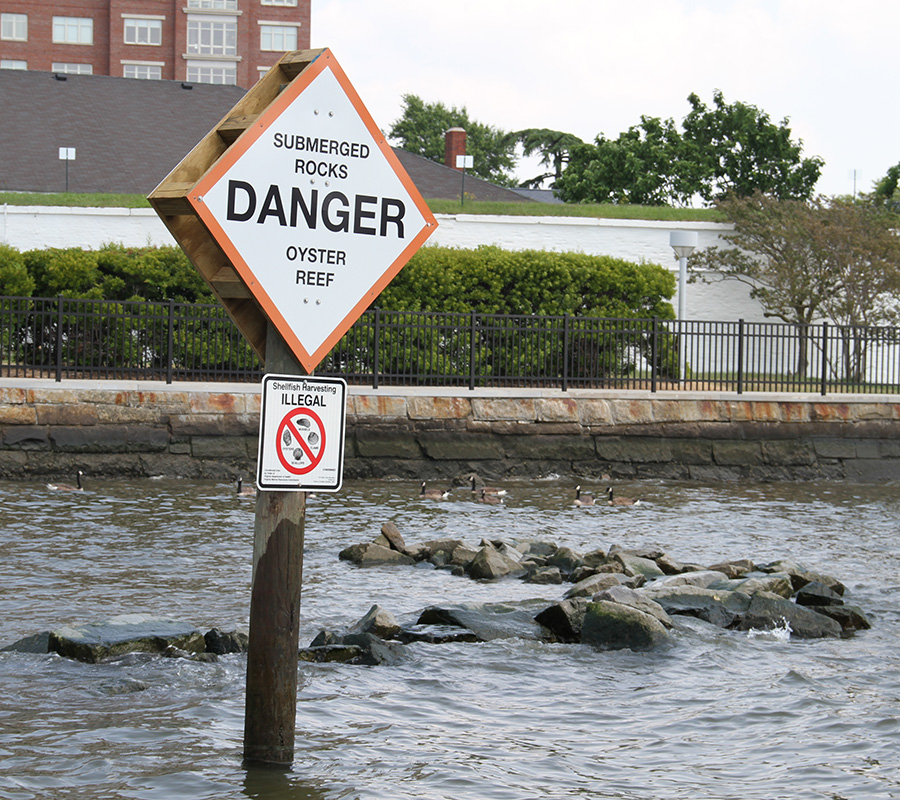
(199, 41)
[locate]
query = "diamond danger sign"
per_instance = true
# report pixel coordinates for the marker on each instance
(313, 209)
(301, 433)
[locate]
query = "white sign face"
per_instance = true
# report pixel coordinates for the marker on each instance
(314, 210)
(66, 153)
(301, 433)
(465, 162)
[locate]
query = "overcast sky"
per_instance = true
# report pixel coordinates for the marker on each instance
(595, 66)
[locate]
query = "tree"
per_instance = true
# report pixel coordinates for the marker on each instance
(644, 166)
(741, 151)
(772, 253)
(554, 148)
(421, 130)
(807, 261)
(729, 149)
(886, 190)
(860, 248)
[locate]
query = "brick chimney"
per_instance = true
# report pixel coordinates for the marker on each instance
(454, 145)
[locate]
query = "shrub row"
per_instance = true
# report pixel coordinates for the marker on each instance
(488, 280)
(113, 272)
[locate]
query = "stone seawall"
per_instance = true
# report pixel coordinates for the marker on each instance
(209, 431)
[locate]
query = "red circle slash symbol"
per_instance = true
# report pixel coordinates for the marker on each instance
(301, 441)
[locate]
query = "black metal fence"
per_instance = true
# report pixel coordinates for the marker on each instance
(63, 338)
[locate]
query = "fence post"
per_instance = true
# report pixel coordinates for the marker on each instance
(824, 383)
(565, 375)
(654, 354)
(472, 350)
(740, 357)
(376, 365)
(170, 356)
(59, 337)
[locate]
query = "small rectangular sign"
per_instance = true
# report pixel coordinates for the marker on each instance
(66, 153)
(465, 162)
(302, 425)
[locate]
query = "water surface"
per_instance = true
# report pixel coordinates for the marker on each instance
(718, 714)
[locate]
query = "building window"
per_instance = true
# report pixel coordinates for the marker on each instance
(8, 63)
(147, 72)
(14, 27)
(143, 31)
(72, 69)
(212, 73)
(73, 30)
(209, 37)
(215, 5)
(279, 2)
(280, 38)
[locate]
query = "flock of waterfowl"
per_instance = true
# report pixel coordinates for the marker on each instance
(491, 495)
(494, 495)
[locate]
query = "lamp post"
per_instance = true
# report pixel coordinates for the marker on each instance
(683, 243)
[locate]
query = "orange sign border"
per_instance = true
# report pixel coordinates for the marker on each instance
(324, 61)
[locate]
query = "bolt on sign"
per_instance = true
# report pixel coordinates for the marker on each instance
(295, 209)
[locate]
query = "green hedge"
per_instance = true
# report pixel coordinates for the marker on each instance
(113, 272)
(594, 294)
(488, 280)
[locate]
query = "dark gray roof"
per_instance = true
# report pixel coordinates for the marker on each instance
(539, 195)
(128, 134)
(435, 181)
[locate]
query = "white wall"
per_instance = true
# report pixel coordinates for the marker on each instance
(34, 227)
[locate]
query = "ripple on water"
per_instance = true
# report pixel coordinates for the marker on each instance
(717, 714)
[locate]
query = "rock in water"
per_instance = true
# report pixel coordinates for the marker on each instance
(368, 554)
(612, 626)
(128, 633)
(768, 611)
(222, 642)
(564, 620)
(490, 564)
(378, 621)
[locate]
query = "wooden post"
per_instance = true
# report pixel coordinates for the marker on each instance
(272, 658)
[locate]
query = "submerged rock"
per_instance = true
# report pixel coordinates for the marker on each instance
(127, 633)
(739, 594)
(36, 643)
(613, 626)
(630, 597)
(734, 569)
(224, 642)
(368, 554)
(597, 583)
(544, 575)
(719, 608)
(378, 621)
(393, 537)
(768, 611)
(816, 593)
(352, 648)
(127, 637)
(490, 564)
(850, 618)
(564, 620)
(487, 621)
